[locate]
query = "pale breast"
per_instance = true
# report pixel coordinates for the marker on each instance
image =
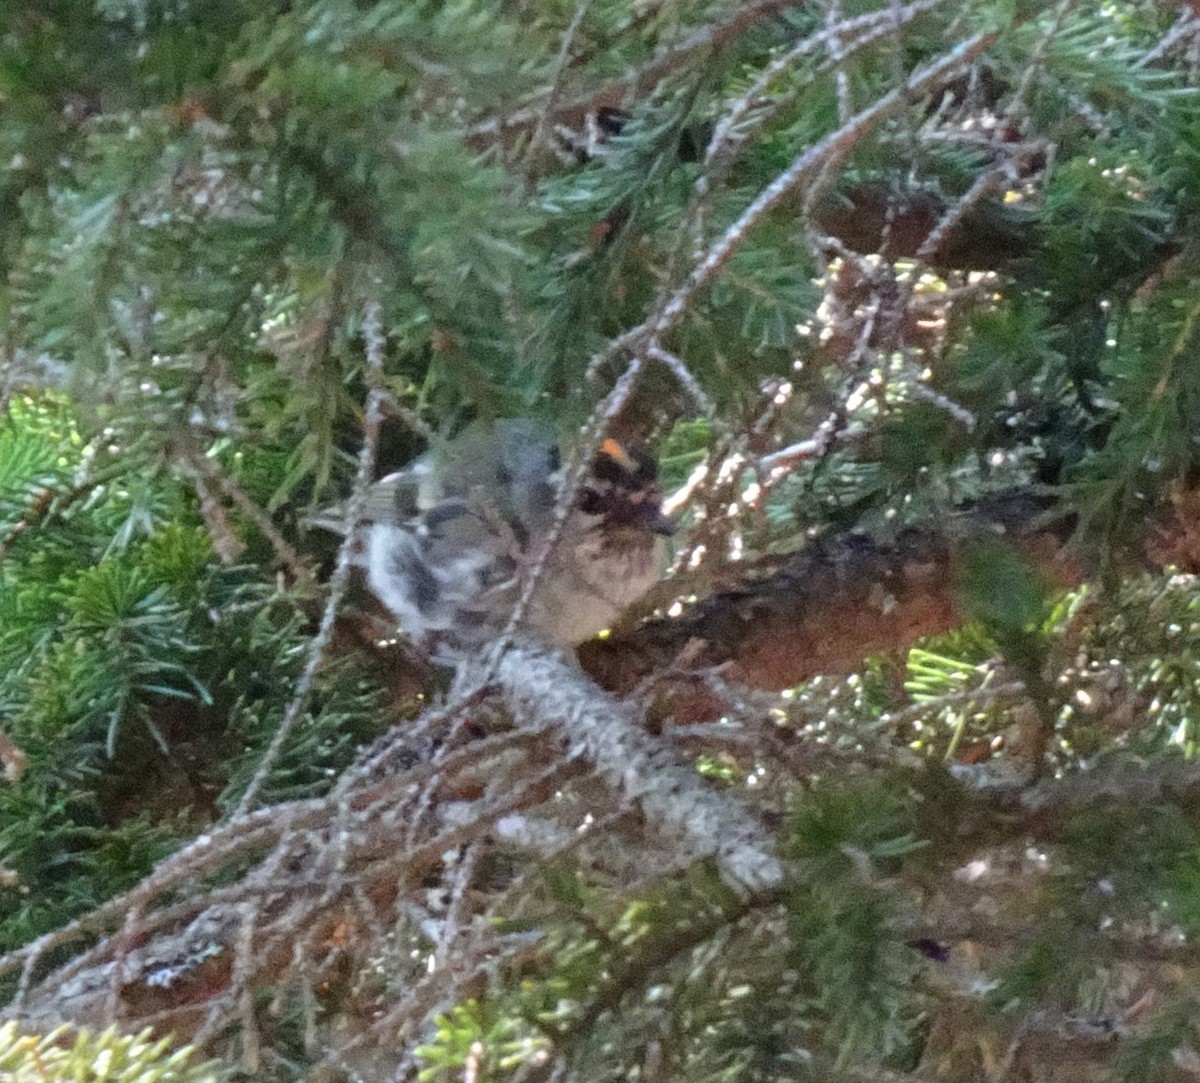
(590, 582)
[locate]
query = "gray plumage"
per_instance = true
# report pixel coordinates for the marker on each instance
(448, 541)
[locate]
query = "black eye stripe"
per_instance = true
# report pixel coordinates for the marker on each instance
(591, 502)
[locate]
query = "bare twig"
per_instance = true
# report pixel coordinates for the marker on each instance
(1185, 26)
(671, 310)
(541, 687)
(340, 579)
(668, 59)
(1036, 62)
(815, 446)
(208, 471)
(593, 433)
(685, 376)
(842, 38)
(409, 416)
(560, 67)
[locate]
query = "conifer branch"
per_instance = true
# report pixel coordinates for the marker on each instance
(669, 59)
(393, 406)
(340, 579)
(478, 851)
(209, 471)
(1185, 26)
(670, 311)
(552, 95)
(842, 37)
(685, 377)
(544, 693)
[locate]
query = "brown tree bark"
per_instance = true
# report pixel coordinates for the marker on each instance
(833, 603)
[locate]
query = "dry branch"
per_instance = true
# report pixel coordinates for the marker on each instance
(540, 687)
(315, 880)
(373, 417)
(551, 110)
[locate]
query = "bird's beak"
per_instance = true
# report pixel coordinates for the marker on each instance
(657, 523)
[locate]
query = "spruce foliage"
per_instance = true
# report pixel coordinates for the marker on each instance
(864, 273)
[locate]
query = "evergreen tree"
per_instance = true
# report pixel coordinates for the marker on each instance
(890, 779)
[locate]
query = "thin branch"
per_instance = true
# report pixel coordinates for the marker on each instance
(542, 690)
(1185, 26)
(812, 448)
(843, 38)
(983, 185)
(833, 16)
(560, 67)
(340, 580)
(392, 405)
(668, 59)
(684, 375)
(207, 470)
(593, 433)
(1036, 62)
(671, 311)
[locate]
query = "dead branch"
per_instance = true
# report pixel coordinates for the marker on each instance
(340, 580)
(182, 954)
(540, 687)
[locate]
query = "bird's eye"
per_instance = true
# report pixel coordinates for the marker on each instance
(591, 502)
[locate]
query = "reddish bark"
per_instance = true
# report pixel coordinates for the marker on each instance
(828, 607)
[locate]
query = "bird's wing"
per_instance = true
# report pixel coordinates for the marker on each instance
(391, 499)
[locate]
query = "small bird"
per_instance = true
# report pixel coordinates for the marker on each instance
(448, 542)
